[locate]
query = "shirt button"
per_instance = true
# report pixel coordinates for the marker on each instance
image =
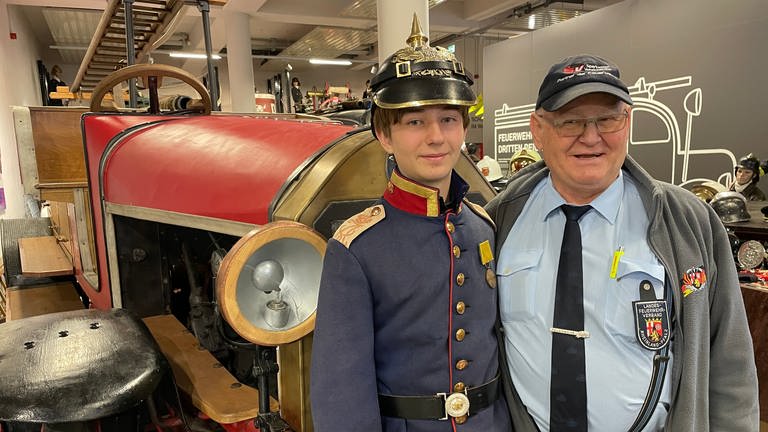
(449, 226)
(460, 333)
(459, 387)
(456, 251)
(460, 306)
(462, 364)
(460, 279)
(461, 420)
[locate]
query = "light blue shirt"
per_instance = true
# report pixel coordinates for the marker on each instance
(618, 368)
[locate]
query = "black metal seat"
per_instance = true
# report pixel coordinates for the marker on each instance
(76, 366)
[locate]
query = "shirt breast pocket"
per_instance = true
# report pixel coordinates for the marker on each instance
(619, 313)
(518, 279)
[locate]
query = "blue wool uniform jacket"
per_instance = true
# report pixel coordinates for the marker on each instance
(400, 281)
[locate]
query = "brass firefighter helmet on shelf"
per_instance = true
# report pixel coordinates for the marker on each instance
(521, 159)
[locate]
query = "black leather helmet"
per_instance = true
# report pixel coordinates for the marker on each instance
(420, 75)
(730, 207)
(749, 162)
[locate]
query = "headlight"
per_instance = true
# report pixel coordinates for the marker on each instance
(268, 283)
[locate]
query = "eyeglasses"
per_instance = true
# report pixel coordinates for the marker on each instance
(575, 127)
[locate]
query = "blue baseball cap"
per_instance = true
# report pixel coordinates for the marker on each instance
(579, 75)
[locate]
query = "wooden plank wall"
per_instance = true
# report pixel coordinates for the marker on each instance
(58, 144)
(59, 154)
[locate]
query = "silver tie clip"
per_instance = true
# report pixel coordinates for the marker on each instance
(581, 334)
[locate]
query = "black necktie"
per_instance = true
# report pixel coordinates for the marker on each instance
(568, 388)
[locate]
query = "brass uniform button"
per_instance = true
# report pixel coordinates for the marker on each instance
(449, 226)
(460, 333)
(461, 419)
(375, 211)
(460, 306)
(459, 387)
(460, 279)
(490, 277)
(462, 364)
(390, 187)
(456, 251)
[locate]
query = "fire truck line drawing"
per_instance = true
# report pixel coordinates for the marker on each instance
(643, 94)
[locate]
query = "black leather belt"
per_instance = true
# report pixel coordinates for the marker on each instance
(440, 406)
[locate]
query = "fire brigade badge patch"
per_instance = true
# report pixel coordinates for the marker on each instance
(694, 280)
(652, 323)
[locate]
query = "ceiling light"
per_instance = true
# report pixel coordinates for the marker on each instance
(330, 62)
(193, 55)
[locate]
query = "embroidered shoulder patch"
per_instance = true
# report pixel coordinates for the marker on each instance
(480, 212)
(694, 279)
(357, 224)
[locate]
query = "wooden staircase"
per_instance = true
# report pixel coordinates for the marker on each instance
(152, 24)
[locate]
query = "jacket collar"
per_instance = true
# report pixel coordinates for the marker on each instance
(412, 197)
(506, 206)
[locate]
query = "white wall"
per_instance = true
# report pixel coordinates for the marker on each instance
(18, 87)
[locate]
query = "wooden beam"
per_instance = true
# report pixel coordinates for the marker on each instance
(200, 376)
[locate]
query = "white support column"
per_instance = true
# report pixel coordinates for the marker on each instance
(394, 23)
(239, 62)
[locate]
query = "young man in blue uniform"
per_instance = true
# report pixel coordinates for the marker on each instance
(404, 338)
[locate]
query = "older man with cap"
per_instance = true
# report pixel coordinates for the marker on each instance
(405, 331)
(619, 300)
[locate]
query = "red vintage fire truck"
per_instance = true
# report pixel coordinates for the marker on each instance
(196, 245)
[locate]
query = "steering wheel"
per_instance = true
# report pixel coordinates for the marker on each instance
(151, 76)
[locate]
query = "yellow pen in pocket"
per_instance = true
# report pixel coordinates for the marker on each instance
(615, 264)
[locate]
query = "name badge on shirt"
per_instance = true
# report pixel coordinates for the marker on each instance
(652, 322)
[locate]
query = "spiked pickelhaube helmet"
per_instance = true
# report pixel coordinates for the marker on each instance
(421, 75)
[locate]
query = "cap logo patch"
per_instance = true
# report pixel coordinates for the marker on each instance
(571, 69)
(693, 280)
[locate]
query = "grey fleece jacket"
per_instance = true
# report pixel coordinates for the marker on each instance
(714, 381)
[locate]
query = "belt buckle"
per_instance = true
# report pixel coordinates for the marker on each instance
(456, 404)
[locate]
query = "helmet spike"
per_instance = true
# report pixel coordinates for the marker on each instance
(417, 37)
